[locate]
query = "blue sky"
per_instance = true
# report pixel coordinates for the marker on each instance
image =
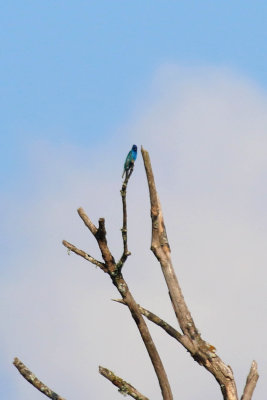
(80, 82)
(65, 65)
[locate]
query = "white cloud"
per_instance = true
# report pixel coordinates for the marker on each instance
(206, 133)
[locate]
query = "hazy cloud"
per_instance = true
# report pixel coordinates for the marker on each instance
(206, 133)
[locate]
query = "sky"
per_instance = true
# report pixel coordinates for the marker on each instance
(80, 82)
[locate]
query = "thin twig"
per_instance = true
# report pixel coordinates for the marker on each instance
(124, 387)
(126, 253)
(251, 382)
(31, 378)
(82, 253)
(183, 339)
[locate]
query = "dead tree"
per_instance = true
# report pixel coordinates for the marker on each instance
(189, 337)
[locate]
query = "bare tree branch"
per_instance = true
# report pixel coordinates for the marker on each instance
(87, 221)
(126, 253)
(114, 271)
(124, 387)
(161, 248)
(82, 253)
(145, 334)
(251, 382)
(183, 339)
(31, 378)
(202, 352)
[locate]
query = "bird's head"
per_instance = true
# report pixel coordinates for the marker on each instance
(134, 148)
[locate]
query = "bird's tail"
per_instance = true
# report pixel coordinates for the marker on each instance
(123, 173)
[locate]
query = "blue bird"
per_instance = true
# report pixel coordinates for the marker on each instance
(130, 159)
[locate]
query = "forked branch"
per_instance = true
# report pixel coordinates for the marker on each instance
(115, 272)
(190, 338)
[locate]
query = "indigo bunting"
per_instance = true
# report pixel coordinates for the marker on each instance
(130, 159)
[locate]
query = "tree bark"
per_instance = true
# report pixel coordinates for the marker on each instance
(200, 350)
